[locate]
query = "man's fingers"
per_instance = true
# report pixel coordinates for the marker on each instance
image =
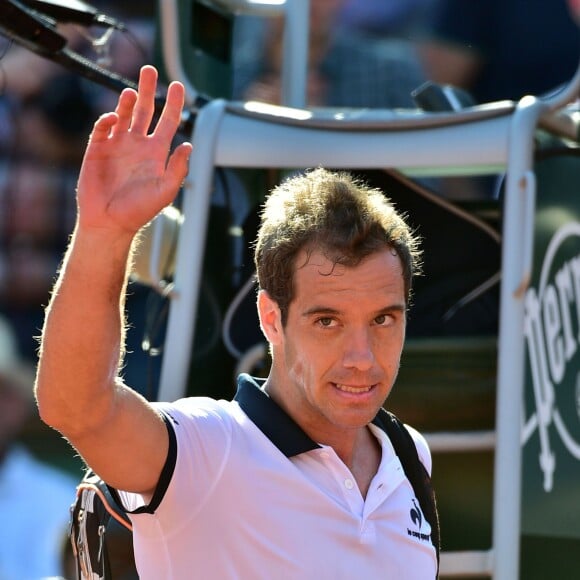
(177, 166)
(124, 109)
(171, 115)
(144, 108)
(103, 127)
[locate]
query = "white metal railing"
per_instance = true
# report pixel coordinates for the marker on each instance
(470, 563)
(457, 441)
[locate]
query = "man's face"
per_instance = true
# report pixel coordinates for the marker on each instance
(338, 354)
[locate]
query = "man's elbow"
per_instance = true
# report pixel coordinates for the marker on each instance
(48, 411)
(61, 411)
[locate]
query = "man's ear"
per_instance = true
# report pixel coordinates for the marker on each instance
(270, 317)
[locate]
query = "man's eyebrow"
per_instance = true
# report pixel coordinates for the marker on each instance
(391, 309)
(320, 310)
(399, 307)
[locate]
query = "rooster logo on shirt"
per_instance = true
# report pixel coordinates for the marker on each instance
(416, 515)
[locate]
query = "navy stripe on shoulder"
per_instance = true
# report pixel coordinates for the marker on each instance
(166, 472)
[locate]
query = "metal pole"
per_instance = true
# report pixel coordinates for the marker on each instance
(295, 65)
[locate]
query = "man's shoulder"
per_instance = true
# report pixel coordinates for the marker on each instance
(196, 404)
(199, 411)
(422, 447)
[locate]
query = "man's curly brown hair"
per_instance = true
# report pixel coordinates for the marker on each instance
(332, 212)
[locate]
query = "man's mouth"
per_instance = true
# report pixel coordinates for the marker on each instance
(353, 389)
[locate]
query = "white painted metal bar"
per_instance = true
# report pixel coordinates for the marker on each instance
(256, 7)
(466, 564)
(263, 142)
(460, 441)
(295, 63)
(510, 380)
(190, 252)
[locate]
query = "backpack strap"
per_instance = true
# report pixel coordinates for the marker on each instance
(406, 450)
(93, 483)
(101, 533)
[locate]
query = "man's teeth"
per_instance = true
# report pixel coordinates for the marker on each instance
(348, 389)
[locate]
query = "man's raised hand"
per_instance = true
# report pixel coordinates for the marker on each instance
(128, 173)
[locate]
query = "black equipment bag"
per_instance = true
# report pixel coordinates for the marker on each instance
(101, 534)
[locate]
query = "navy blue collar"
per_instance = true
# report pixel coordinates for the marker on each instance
(272, 420)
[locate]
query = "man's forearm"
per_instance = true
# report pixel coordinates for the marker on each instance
(83, 335)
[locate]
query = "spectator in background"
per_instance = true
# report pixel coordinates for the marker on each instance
(39, 158)
(45, 114)
(384, 18)
(497, 50)
(502, 49)
(34, 497)
(359, 56)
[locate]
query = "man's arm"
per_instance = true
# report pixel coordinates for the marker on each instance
(126, 178)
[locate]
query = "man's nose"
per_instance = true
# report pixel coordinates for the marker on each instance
(358, 351)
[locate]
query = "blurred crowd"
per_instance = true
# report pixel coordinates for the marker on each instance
(361, 54)
(375, 53)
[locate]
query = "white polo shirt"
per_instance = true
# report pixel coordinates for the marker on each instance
(246, 494)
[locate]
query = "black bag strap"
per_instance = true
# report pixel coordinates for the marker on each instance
(101, 533)
(92, 482)
(405, 448)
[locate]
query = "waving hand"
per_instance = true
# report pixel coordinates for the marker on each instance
(128, 173)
